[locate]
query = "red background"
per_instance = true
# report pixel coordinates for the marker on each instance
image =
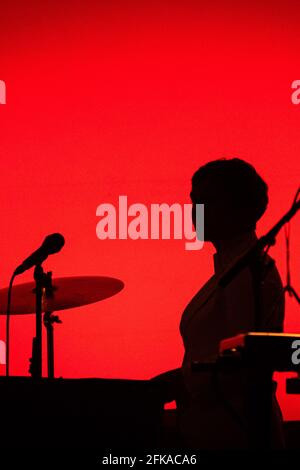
(107, 100)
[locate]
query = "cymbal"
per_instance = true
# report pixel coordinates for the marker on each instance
(68, 292)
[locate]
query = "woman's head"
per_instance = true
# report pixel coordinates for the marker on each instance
(234, 197)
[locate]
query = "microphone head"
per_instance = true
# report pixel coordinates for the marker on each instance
(53, 243)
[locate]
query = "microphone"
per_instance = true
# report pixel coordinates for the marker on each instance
(52, 244)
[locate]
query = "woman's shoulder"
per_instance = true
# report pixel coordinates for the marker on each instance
(198, 301)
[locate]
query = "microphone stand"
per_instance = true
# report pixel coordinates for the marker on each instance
(266, 240)
(49, 320)
(293, 383)
(40, 278)
(289, 289)
(260, 391)
(35, 368)
(44, 289)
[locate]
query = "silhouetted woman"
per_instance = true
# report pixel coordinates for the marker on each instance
(234, 197)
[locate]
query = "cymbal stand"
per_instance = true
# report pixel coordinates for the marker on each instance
(48, 320)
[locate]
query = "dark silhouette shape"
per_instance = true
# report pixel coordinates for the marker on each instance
(235, 197)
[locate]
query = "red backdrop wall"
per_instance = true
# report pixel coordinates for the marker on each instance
(105, 100)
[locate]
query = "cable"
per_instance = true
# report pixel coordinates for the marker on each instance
(287, 234)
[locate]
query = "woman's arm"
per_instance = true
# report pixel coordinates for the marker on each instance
(172, 385)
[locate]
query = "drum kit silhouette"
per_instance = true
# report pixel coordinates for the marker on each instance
(45, 296)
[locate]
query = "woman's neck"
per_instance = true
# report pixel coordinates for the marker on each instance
(239, 241)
